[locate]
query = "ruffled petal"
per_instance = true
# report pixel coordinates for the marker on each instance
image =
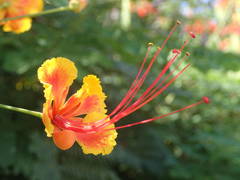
(57, 74)
(98, 143)
(64, 139)
(46, 118)
(90, 98)
(19, 8)
(18, 26)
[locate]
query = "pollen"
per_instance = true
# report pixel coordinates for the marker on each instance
(150, 44)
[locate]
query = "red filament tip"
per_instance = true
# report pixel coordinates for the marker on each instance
(206, 99)
(150, 44)
(192, 35)
(176, 51)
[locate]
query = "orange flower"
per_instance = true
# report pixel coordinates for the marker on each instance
(19, 8)
(57, 74)
(143, 8)
(201, 27)
(83, 118)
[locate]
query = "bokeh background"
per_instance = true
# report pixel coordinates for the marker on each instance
(109, 39)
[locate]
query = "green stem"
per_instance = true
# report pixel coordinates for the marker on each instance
(125, 14)
(50, 11)
(21, 110)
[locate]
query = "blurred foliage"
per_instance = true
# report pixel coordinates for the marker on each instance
(200, 143)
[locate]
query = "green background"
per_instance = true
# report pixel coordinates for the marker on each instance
(199, 143)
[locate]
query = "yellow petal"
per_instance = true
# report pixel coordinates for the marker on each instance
(49, 127)
(57, 74)
(98, 143)
(34, 6)
(18, 26)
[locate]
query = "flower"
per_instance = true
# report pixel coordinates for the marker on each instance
(201, 27)
(18, 8)
(57, 74)
(78, 5)
(83, 117)
(143, 8)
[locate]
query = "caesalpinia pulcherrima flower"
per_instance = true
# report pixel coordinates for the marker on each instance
(96, 131)
(18, 8)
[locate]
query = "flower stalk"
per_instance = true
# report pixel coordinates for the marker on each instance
(21, 110)
(125, 14)
(50, 11)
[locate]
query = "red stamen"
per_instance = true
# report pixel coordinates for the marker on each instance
(131, 93)
(134, 108)
(125, 111)
(158, 78)
(126, 107)
(75, 125)
(133, 86)
(158, 87)
(159, 117)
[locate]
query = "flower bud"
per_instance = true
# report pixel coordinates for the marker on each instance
(77, 5)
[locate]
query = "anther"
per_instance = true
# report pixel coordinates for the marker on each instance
(150, 44)
(192, 35)
(188, 54)
(178, 22)
(206, 99)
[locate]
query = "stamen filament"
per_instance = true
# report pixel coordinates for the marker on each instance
(134, 90)
(159, 76)
(166, 78)
(156, 118)
(134, 108)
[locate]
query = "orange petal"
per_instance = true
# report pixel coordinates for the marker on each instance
(18, 26)
(46, 118)
(98, 143)
(33, 6)
(79, 107)
(23, 7)
(57, 74)
(18, 8)
(64, 139)
(90, 98)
